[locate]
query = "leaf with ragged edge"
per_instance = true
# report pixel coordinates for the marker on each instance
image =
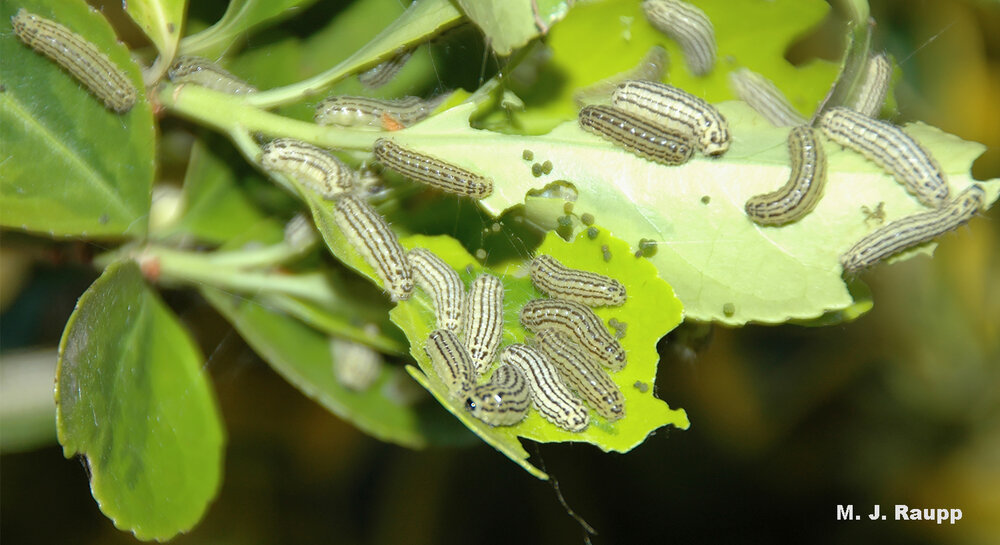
(722, 266)
(302, 356)
(132, 397)
(509, 24)
(72, 167)
(161, 20)
(240, 18)
(598, 40)
(650, 312)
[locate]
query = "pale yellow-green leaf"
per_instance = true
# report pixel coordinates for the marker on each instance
(161, 20)
(651, 311)
(716, 259)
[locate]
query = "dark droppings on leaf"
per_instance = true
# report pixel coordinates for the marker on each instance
(606, 251)
(564, 227)
(647, 248)
(536, 170)
(568, 208)
(587, 219)
(547, 167)
(592, 233)
(641, 386)
(729, 309)
(705, 199)
(619, 327)
(527, 155)
(3, 88)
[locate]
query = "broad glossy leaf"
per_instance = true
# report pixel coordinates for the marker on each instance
(72, 167)
(722, 266)
(650, 312)
(161, 20)
(133, 399)
(509, 24)
(600, 39)
(240, 18)
(302, 355)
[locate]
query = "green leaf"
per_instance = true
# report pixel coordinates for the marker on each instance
(421, 21)
(133, 399)
(302, 356)
(73, 168)
(600, 39)
(716, 259)
(217, 207)
(509, 24)
(161, 20)
(240, 18)
(651, 311)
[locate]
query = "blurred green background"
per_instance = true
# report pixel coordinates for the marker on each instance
(899, 407)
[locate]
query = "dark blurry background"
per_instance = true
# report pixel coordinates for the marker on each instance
(900, 407)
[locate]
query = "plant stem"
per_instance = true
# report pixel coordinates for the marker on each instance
(230, 115)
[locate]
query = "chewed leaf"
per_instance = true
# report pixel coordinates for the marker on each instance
(597, 40)
(722, 266)
(650, 312)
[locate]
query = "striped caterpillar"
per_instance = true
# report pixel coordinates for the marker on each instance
(549, 394)
(580, 323)
(764, 97)
(912, 230)
(890, 148)
(689, 27)
(443, 284)
(432, 171)
(675, 109)
(637, 135)
(205, 73)
(311, 165)
(561, 282)
(805, 184)
(82, 59)
(372, 237)
(579, 370)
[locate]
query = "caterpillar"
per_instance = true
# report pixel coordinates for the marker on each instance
(82, 59)
(764, 97)
(432, 171)
(676, 109)
(443, 284)
(355, 365)
(689, 27)
(890, 148)
(870, 95)
(372, 237)
(205, 73)
(504, 400)
(378, 113)
(579, 370)
(561, 282)
(549, 394)
(311, 165)
(580, 323)
(804, 187)
(912, 230)
(484, 320)
(382, 73)
(637, 135)
(451, 361)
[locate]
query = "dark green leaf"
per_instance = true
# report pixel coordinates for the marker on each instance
(72, 167)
